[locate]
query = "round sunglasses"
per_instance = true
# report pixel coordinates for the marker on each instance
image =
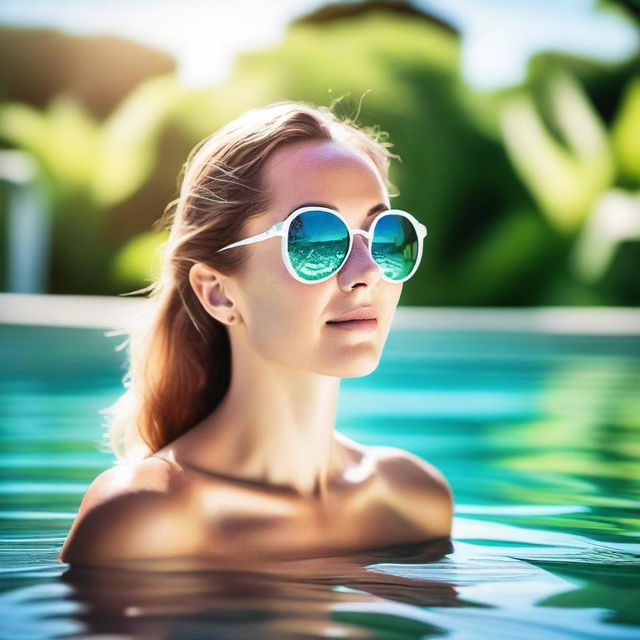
(316, 242)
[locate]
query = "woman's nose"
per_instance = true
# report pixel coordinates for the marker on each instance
(360, 263)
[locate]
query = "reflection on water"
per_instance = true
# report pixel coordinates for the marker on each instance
(410, 592)
(538, 436)
(284, 599)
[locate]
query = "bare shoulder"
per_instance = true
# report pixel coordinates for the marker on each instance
(409, 469)
(418, 488)
(132, 511)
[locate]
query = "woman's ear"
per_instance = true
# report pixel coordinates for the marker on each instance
(212, 287)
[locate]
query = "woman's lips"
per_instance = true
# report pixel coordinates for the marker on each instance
(355, 325)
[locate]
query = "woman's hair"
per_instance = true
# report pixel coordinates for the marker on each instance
(179, 355)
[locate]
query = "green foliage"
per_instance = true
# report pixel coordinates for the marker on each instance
(127, 145)
(505, 182)
(63, 139)
(625, 133)
(89, 167)
(133, 260)
(565, 177)
(577, 180)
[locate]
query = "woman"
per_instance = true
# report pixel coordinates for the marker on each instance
(235, 372)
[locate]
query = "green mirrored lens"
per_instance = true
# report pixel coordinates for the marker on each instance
(317, 244)
(395, 246)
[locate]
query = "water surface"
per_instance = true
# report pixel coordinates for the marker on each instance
(537, 434)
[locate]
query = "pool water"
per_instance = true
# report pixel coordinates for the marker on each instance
(536, 433)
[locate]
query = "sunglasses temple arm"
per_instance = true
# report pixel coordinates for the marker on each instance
(276, 230)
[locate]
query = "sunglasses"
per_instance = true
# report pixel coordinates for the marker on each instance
(317, 241)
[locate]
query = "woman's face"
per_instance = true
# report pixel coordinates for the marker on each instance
(286, 320)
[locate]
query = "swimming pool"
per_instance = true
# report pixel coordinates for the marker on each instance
(536, 431)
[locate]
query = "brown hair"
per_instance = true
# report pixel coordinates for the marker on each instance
(179, 356)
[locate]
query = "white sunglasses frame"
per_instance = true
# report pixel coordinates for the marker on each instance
(282, 229)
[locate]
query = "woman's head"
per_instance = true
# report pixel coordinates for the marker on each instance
(280, 318)
(236, 183)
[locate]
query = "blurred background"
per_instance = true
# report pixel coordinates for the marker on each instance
(518, 128)
(517, 124)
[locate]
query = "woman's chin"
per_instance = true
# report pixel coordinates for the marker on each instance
(355, 367)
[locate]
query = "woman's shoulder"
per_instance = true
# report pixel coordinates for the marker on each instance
(419, 490)
(400, 468)
(129, 511)
(407, 466)
(151, 475)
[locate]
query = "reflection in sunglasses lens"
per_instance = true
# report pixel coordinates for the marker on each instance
(395, 246)
(318, 242)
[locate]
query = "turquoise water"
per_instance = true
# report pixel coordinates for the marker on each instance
(537, 434)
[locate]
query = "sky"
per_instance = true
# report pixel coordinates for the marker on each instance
(205, 35)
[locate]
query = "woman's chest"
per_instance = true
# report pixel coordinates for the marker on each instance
(241, 522)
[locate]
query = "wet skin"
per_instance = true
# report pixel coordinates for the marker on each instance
(164, 508)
